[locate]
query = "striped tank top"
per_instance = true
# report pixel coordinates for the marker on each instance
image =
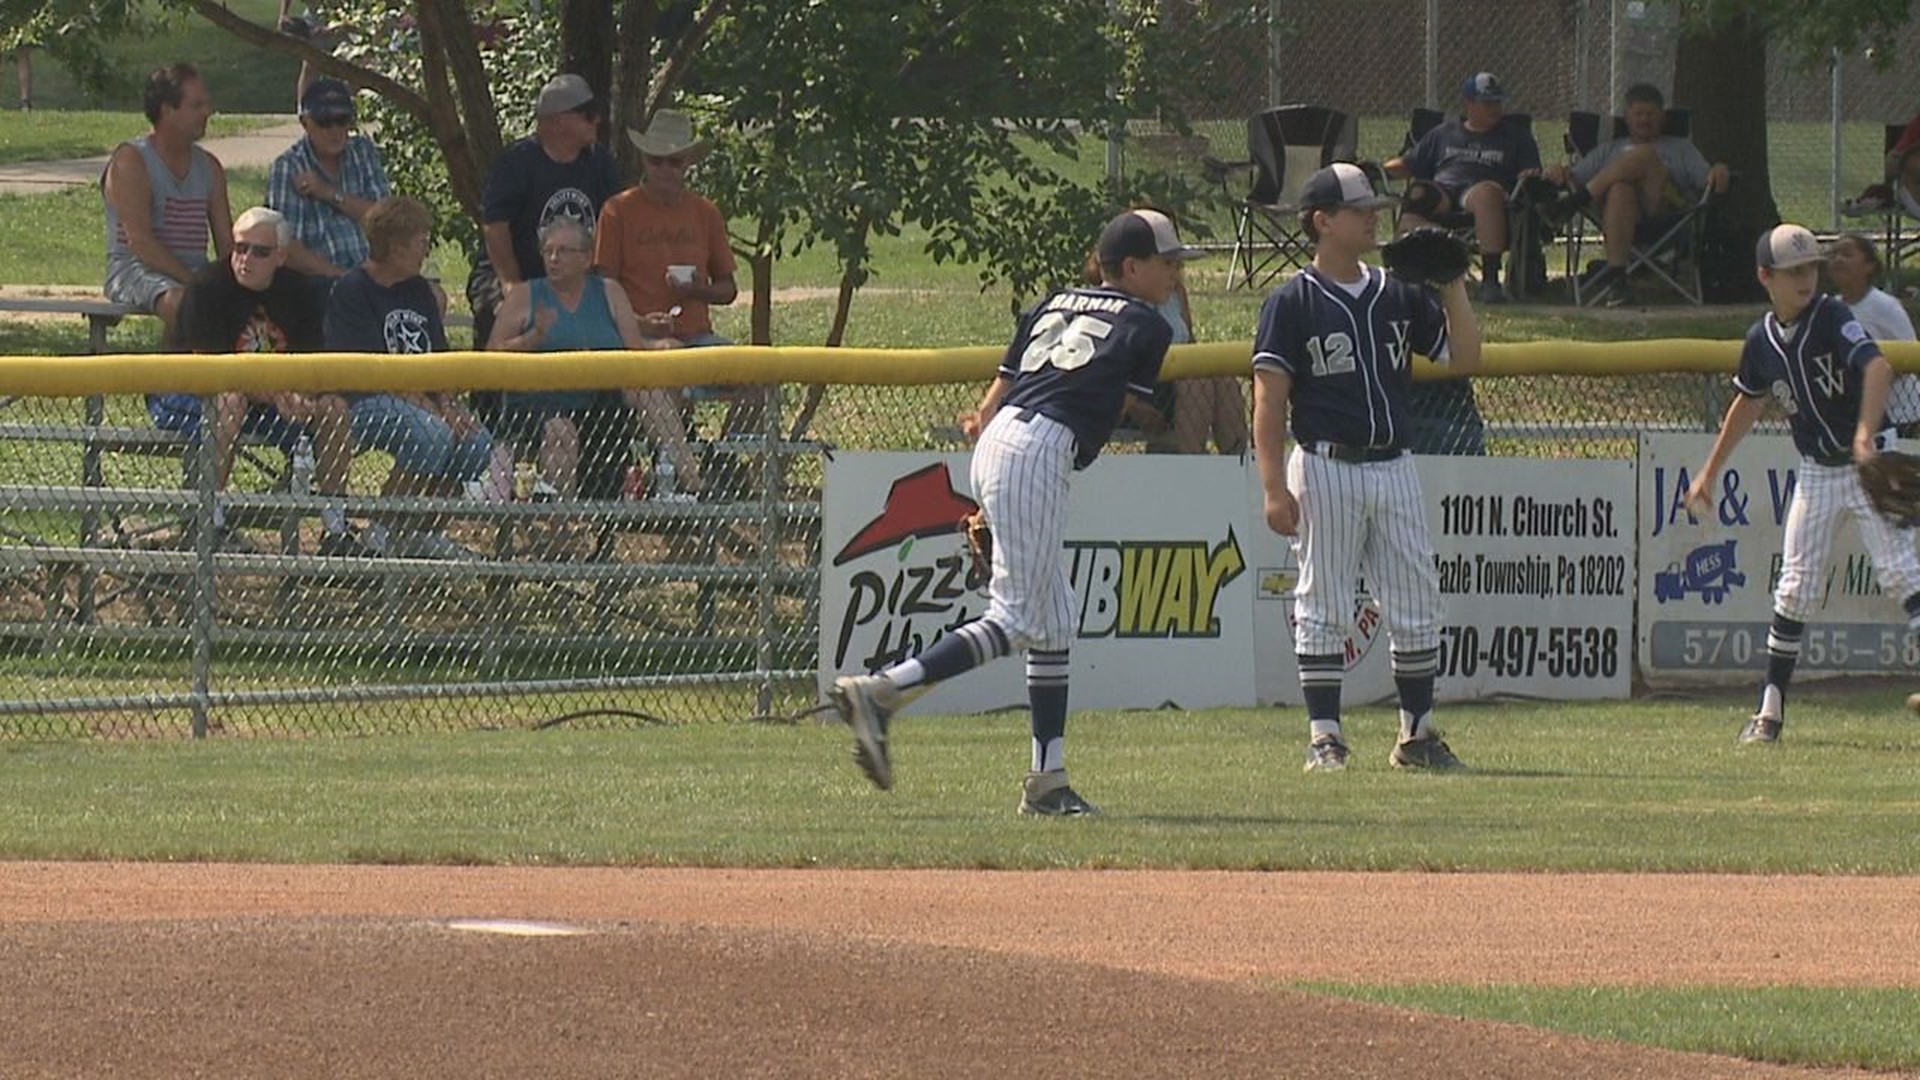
(178, 209)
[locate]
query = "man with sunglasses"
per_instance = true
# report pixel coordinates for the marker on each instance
(325, 183)
(251, 302)
(561, 170)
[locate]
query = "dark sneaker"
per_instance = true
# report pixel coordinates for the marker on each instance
(866, 703)
(345, 545)
(1761, 730)
(1048, 794)
(1874, 200)
(1491, 292)
(1326, 754)
(1428, 753)
(228, 540)
(1605, 287)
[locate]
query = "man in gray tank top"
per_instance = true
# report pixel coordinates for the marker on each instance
(165, 199)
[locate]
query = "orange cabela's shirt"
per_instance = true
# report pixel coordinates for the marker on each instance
(639, 237)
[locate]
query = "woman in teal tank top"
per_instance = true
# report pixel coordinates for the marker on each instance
(575, 310)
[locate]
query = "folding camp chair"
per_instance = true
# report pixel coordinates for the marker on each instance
(1285, 145)
(1668, 246)
(1899, 235)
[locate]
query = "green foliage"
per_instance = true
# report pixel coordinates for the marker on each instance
(96, 56)
(1851, 1027)
(1812, 29)
(874, 115)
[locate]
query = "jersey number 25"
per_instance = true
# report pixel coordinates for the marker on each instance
(1065, 342)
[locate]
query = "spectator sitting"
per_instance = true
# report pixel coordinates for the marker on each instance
(165, 198)
(326, 183)
(385, 306)
(1853, 263)
(667, 247)
(251, 304)
(572, 309)
(1641, 177)
(1470, 164)
(1902, 184)
(561, 170)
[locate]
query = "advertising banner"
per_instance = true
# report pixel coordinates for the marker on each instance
(1154, 551)
(1706, 591)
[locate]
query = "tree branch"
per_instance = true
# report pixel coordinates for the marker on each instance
(682, 56)
(350, 73)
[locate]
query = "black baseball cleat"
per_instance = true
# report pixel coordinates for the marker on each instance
(1049, 795)
(866, 703)
(1761, 730)
(1429, 753)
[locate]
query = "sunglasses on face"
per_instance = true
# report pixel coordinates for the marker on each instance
(678, 162)
(332, 122)
(258, 251)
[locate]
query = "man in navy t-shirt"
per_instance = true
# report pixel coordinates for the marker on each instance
(1471, 164)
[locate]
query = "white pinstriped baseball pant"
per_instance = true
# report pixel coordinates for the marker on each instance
(1020, 471)
(1361, 518)
(1822, 495)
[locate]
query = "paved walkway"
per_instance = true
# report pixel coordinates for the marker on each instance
(256, 150)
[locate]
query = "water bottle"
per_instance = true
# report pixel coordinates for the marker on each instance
(665, 481)
(301, 467)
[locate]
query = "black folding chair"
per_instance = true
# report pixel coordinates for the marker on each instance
(1898, 238)
(1668, 246)
(1285, 145)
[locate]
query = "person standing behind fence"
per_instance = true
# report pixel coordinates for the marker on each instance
(385, 306)
(1182, 416)
(561, 170)
(570, 309)
(1813, 358)
(252, 304)
(1854, 265)
(1073, 362)
(326, 182)
(1334, 346)
(165, 199)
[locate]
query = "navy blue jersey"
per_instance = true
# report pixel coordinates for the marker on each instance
(1457, 159)
(1350, 357)
(527, 190)
(1076, 356)
(1812, 368)
(366, 316)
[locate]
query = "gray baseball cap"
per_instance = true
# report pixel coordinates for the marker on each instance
(1784, 247)
(1342, 184)
(1142, 234)
(564, 94)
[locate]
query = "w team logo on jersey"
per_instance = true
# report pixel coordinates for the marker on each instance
(1825, 381)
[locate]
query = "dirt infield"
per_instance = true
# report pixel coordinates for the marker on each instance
(217, 970)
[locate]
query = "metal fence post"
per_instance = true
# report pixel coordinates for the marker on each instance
(773, 472)
(1839, 124)
(207, 483)
(1433, 54)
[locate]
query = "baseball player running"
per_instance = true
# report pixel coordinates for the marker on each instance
(1812, 356)
(1068, 372)
(1336, 343)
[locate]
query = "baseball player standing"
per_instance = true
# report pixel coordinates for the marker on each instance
(1066, 376)
(1812, 356)
(1336, 343)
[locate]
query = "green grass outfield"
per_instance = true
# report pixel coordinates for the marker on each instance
(1652, 785)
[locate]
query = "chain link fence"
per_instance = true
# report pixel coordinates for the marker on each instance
(1379, 59)
(130, 606)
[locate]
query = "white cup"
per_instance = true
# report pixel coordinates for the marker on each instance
(680, 273)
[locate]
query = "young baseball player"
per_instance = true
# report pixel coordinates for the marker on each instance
(1336, 344)
(1066, 376)
(1812, 356)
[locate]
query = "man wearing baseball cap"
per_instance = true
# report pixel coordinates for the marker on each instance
(561, 170)
(326, 182)
(1811, 355)
(1470, 164)
(1334, 349)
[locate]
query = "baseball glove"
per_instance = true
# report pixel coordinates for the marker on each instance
(1428, 255)
(980, 547)
(1892, 483)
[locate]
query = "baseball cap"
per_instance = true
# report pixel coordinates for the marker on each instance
(1142, 234)
(1786, 246)
(1483, 87)
(327, 99)
(564, 93)
(1342, 184)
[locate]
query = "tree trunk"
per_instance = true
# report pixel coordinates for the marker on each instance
(586, 49)
(633, 74)
(1721, 75)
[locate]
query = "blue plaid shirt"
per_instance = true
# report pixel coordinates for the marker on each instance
(321, 227)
